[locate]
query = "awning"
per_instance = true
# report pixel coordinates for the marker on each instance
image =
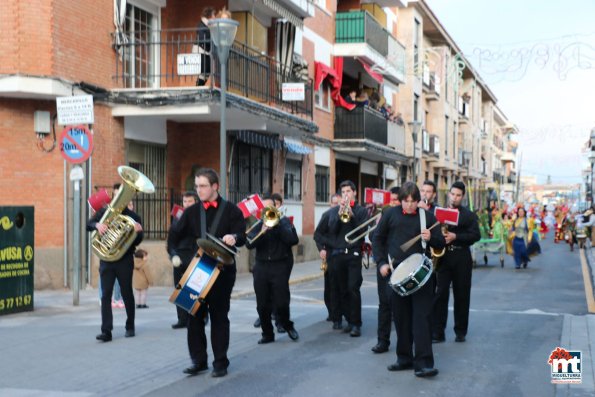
(284, 12)
(256, 139)
(296, 147)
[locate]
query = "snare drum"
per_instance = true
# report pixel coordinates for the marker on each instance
(411, 274)
(196, 283)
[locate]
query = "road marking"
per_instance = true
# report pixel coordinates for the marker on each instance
(587, 282)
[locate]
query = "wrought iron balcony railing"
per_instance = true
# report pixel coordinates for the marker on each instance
(149, 59)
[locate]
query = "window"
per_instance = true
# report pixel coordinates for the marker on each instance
(140, 56)
(322, 97)
(292, 183)
(322, 183)
(416, 46)
(415, 107)
(152, 208)
(446, 122)
(250, 171)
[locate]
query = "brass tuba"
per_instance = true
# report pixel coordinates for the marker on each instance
(437, 254)
(120, 233)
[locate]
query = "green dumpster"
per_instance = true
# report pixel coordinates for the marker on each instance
(16, 259)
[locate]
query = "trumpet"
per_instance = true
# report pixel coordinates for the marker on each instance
(271, 217)
(345, 214)
(323, 266)
(368, 225)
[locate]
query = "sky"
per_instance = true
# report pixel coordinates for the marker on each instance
(538, 58)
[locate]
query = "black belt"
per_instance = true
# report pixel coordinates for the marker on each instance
(455, 247)
(345, 251)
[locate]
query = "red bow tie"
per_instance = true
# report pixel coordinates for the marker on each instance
(352, 203)
(208, 204)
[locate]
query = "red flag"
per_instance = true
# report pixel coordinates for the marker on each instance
(250, 205)
(99, 199)
(177, 211)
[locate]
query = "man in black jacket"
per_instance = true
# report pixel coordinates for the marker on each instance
(456, 267)
(122, 270)
(274, 260)
(412, 313)
(345, 261)
(224, 220)
(185, 252)
(322, 243)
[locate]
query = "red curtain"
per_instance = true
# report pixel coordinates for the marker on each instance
(335, 78)
(376, 76)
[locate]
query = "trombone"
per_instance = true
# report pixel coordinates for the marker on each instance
(369, 225)
(271, 217)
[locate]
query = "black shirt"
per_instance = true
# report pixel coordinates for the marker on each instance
(275, 244)
(396, 228)
(188, 226)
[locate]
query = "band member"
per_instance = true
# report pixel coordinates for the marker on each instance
(121, 270)
(274, 260)
(345, 261)
(224, 220)
(384, 311)
(323, 244)
(428, 196)
(185, 253)
(455, 268)
(412, 313)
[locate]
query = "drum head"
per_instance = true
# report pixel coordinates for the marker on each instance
(214, 251)
(406, 267)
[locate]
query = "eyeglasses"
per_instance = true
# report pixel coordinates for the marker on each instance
(201, 186)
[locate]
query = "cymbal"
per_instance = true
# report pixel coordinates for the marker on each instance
(215, 251)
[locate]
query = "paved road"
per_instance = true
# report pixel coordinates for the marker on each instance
(517, 319)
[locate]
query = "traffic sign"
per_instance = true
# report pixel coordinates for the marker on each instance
(76, 144)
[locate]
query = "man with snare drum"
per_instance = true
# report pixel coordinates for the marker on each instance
(411, 311)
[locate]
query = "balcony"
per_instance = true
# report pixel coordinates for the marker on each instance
(431, 84)
(151, 60)
(365, 132)
(358, 34)
(507, 157)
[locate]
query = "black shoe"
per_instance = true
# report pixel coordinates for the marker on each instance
(178, 325)
(293, 334)
(438, 339)
(426, 372)
(196, 369)
(129, 333)
(144, 306)
(460, 338)
(355, 331)
(104, 337)
(139, 306)
(266, 339)
(347, 328)
(280, 329)
(257, 323)
(380, 348)
(525, 265)
(337, 325)
(517, 267)
(218, 373)
(399, 366)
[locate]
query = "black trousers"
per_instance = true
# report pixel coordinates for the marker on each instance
(455, 268)
(108, 272)
(346, 281)
(412, 315)
(178, 274)
(384, 308)
(218, 304)
(271, 285)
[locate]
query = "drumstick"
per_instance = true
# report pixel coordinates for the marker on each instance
(405, 246)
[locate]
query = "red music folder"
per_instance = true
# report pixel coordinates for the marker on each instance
(449, 216)
(376, 196)
(251, 205)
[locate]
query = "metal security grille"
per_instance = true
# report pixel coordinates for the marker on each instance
(322, 183)
(153, 208)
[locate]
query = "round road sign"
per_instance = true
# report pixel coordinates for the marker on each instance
(76, 144)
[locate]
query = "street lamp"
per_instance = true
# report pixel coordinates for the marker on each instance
(414, 126)
(223, 32)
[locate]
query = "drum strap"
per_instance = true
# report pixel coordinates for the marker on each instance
(214, 224)
(422, 225)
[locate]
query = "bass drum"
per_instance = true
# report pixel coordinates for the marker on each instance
(411, 274)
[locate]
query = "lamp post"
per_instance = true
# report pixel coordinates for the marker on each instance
(223, 33)
(414, 126)
(592, 161)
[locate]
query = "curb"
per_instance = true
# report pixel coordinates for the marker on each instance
(586, 256)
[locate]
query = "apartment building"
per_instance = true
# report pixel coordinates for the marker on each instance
(156, 117)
